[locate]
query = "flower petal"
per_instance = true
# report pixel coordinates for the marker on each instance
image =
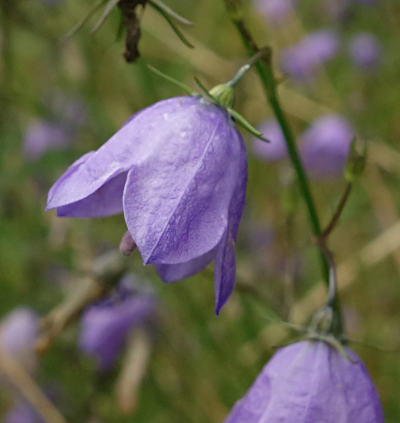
(224, 271)
(310, 382)
(58, 185)
(176, 203)
(225, 263)
(106, 201)
(176, 272)
(133, 143)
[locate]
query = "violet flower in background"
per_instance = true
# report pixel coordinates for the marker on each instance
(41, 136)
(365, 51)
(366, 2)
(276, 11)
(18, 333)
(276, 148)
(107, 325)
(302, 60)
(308, 382)
(178, 172)
(72, 112)
(325, 146)
(23, 413)
(338, 9)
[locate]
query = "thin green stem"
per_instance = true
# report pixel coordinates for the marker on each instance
(266, 75)
(264, 70)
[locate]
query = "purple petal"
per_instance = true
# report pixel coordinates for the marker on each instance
(276, 148)
(106, 201)
(310, 382)
(176, 272)
(365, 50)
(224, 271)
(176, 203)
(105, 328)
(18, 331)
(133, 143)
(302, 60)
(225, 262)
(41, 136)
(62, 185)
(325, 146)
(23, 413)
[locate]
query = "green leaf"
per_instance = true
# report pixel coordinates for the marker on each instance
(204, 90)
(246, 125)
(82, 22)
(168, 78)
(177, 31)
(107, 10)
(170, 12)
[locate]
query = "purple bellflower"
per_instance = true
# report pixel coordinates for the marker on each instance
(366, 2)
(338, 9)
(107, 325)
(325, 146)
(69, 114)
(274, 150)
(23, 413)
(41, 136)
(18, 333)
(178, 171)
(365, 51)
(308, 382)
(276, 11)
(302, 60)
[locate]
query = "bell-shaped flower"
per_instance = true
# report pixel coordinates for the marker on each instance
(177, 170)
(23, 413)
(276, 11)
(304, 59)
(310, 382)
(276, 148)
(107, 325)
(42, 136)
(365, 51)
(325, 146)
(18, 333)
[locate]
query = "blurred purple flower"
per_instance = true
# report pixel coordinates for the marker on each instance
(276, 148)
(68, 116)
(23, 413)
(325, 146)
(365, 51)
(310, 382)
(18, 332)
(338, 9)
(71, 111)
(302, 60)
(178, 171)
(51, 2)
(276, 11)
(366, 2)
(106, 326)
(41, 136)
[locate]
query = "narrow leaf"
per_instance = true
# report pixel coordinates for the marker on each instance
(168, 78)
(171, 24)
(107, 10)
(171, 12)
(82, 22)
(204, 90)
(246, 125)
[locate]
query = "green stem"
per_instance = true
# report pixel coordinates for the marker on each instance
(264, 70)
(266, 75)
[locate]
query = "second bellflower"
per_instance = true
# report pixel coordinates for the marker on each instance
(178, 171)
